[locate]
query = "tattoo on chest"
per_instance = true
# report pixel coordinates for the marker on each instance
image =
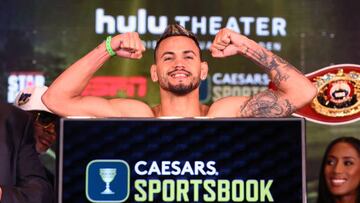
(266, 104)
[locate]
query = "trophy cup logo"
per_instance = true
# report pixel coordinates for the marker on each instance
(107, 175)
(107, 180)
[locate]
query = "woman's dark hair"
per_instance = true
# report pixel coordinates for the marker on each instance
(324, 195)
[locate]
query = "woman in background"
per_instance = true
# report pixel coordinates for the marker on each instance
(340, 172)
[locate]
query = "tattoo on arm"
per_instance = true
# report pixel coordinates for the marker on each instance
(271, 63)
(266, 104)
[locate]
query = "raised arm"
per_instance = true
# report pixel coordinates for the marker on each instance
(64, 95)
(294, 90)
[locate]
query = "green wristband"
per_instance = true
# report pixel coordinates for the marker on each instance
(108, 46)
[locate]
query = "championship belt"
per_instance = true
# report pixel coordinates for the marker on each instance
(338, 99)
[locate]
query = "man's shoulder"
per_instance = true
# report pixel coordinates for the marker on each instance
(14, 122)
(8, 110)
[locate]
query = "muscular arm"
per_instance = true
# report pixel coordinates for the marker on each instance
(64, 95)
(294, 90)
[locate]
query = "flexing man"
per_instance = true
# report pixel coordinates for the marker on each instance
(178, 69)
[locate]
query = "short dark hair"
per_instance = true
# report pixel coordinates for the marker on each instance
(324, 195)
(176, 30)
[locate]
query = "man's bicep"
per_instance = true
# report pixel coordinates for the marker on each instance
(267, 104)
(83, 106)
(227, 107)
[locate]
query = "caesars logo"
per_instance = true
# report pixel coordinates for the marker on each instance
(233, 84)
(143, 23)
(109, 181)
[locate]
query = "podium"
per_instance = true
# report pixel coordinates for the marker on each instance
(182, 160)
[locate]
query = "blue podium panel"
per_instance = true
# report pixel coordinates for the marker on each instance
(182, 160)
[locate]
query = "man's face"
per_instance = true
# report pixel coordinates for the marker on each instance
(342, 170)
(45, 136)
(44, 130)
(178, 65)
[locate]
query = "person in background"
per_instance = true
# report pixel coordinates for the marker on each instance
(29, 99)
(22, 176)
(339, 180)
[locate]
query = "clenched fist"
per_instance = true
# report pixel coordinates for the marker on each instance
(128, 45)
(228, 43)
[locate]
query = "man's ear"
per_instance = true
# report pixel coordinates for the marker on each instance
(203, 70)
(153, 73)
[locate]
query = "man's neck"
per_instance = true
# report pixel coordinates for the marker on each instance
(182, 106)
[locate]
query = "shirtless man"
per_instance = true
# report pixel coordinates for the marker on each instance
(178, 69)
